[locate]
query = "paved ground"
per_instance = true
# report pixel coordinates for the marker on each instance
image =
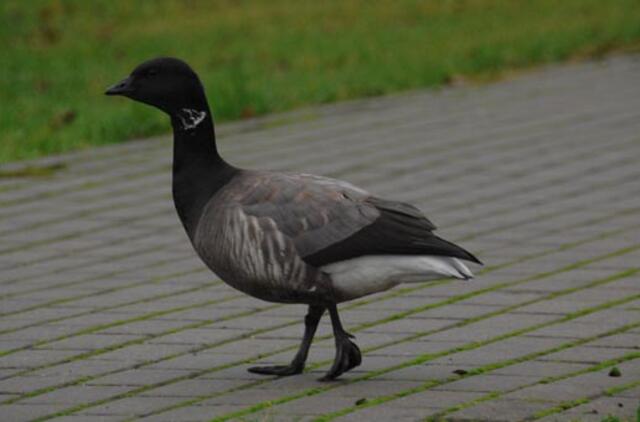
(108, 315)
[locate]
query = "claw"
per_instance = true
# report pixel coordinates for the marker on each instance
(279, 370)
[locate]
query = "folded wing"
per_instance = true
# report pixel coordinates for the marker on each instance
(330, 221)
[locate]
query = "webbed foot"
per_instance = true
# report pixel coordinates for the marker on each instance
(347, 357)
(279, 370)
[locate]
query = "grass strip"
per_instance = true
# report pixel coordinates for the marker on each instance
(282, 56)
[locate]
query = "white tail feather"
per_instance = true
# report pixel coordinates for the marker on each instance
(371, 274)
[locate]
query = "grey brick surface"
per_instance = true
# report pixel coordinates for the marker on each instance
(107, 314)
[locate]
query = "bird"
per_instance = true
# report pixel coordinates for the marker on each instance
(287, 237)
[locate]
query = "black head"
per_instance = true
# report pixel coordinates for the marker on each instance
(166, 83)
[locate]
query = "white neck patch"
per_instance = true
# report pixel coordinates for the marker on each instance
(191, 118)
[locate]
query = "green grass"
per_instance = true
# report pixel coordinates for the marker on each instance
(267, 56)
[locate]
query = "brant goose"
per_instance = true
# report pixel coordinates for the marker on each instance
(286, 237)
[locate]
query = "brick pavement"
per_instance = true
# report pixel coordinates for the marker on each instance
(107, 315)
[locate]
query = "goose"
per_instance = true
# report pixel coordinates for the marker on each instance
(287, 237)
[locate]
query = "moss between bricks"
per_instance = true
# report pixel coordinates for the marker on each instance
(604, 257)
(421, 360)
(491, 367)
(573, 403)
(449, 301)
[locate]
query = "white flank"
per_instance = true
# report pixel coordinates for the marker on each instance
(371, 274)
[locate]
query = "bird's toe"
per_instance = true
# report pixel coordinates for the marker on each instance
(278, 370)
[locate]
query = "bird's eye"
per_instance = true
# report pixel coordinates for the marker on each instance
(151, 72)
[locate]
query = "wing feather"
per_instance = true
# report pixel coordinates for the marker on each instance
(329, 220)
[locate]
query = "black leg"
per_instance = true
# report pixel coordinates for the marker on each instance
(296, 366)
(347, 353)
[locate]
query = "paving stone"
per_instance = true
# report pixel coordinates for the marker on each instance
(491, 327)
(433, 399)
(386, 413)
(92, 341)
(149, 327)
(24, 384)
(573, 330)
(572, 388)
(132, 406)
(88, 418)
(79, 368)
(249, 397)
(77, 395)
(501, 409)
(413, 350)
(192, 388)
(34, 358)
(488, 383)
(624, 408)
(424, 372)
(192, 413)
(198, 336)
(461, 311)
(586, 354)
(28, 412)
(140, 353)
(410, 325)
(540, 368)
(197, 361)
(140, 377)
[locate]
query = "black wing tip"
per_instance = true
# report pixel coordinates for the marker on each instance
(471, 257)
(459, 252)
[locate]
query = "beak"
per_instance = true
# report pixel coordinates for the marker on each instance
(121, 88)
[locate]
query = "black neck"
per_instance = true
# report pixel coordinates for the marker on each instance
(198, 170)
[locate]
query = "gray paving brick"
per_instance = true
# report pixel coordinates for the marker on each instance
(386, 413)
(500, 410)
(139, 353)
(192, 388)
(131, 406)
(91, 341)
(79, 368)
(23, 413)
(587, 354)
(139, 377)
(197, 361)
(622, 407)
(433, 399)
(33, 358)
(249, 397)
(314, 405)
(24, 384)
(88, 418)
(488, 383)
(568, 389)
(540, 368)
(77, 395)
(191, 413)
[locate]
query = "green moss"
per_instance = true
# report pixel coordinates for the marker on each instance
(32, 171)
(394, 317)
(470, 346)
